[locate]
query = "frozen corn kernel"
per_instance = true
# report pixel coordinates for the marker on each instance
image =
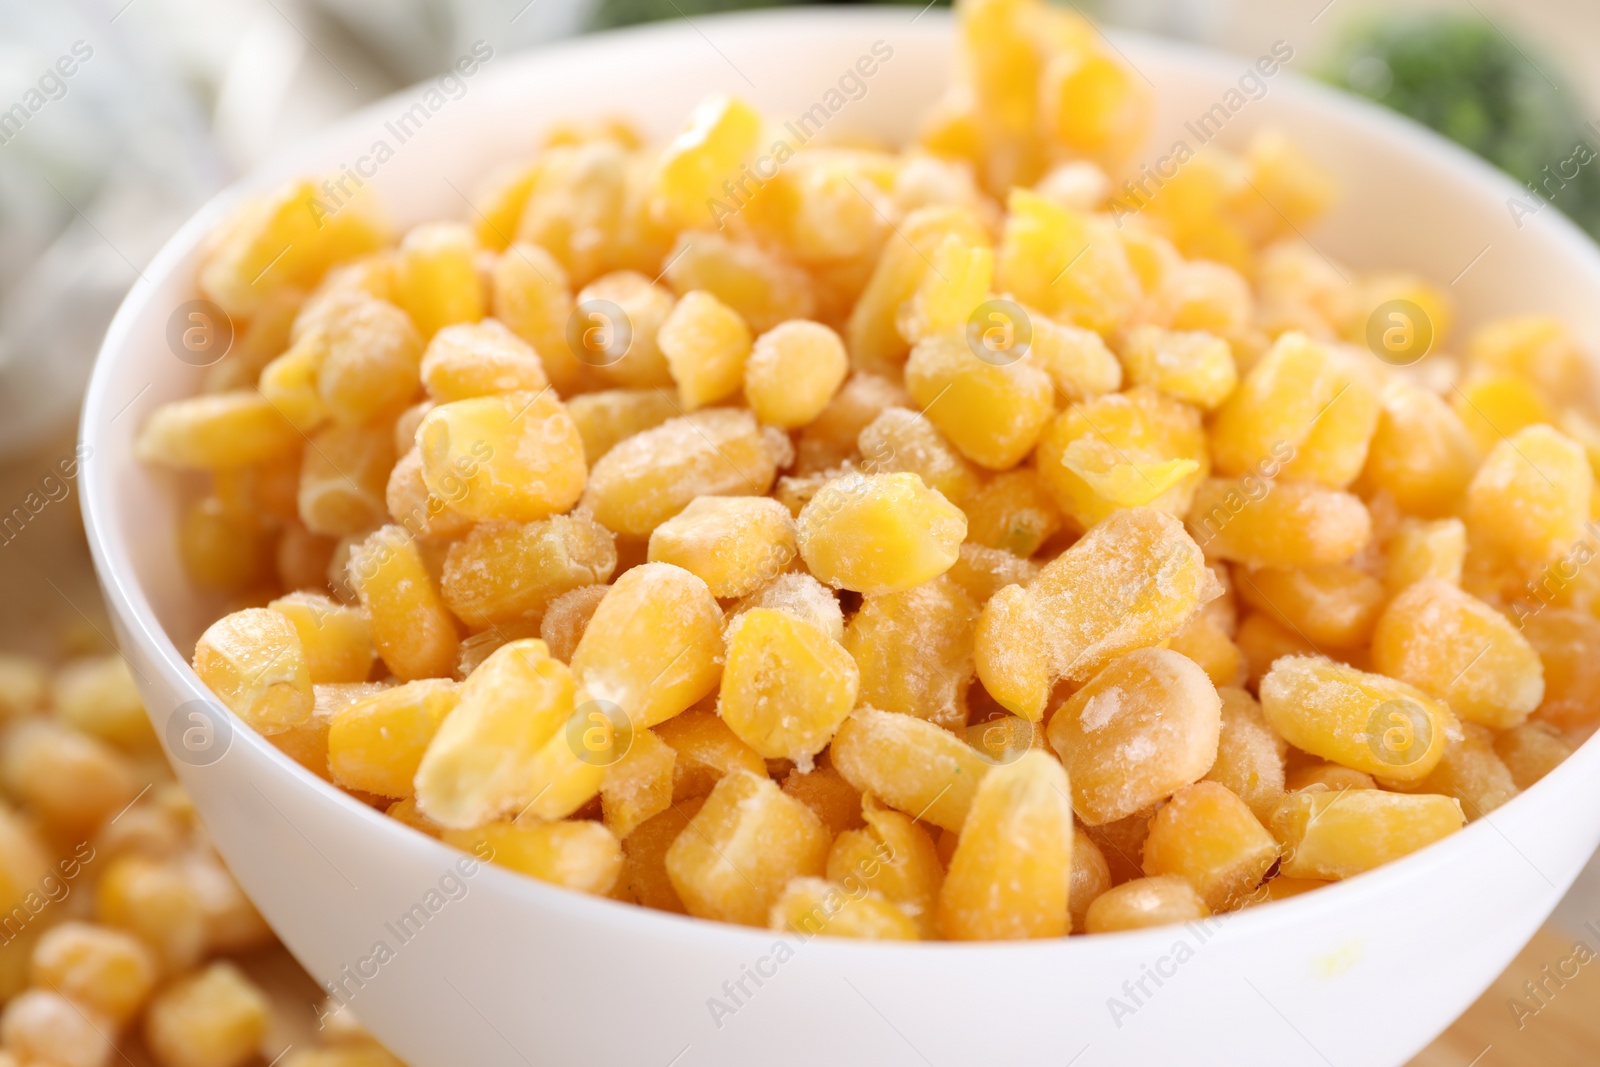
(517, 456)
(909, 764)
(1536, 347)
(959, 278)
(644, 852)
(707, 750)
(878, 533)
(1320, 775)
(1278, 524)
(502, 572)
(532, 296)
(638, 787)
(705, 344)
(1012, 512)
(367, 365)
(413, 506)
(1091, 876)
(621, 314)
(412, 629)
(654, 645)
(1421, 549)
(993, 412)
(479, 359)
(812, 906)
(1077, 360)
(1123, 450)
(1472, 772)
(344, 480)
(1094, 105)
(1066, 263)
(914, 650)
(1495, 405)
(1531, 751)
(221, 550)
(1249, 755)
(1205, 642)
(578, 855)
(737, 854)
(793, 371)
(893, 856)
(375, 744)
(651, 476)
(1333, 835)
(1201, 296)
(566, 618)
(232, 923)
(1011, 873)
(873, 334)
(1366, 722)
(1138, 731)
(1565, 641)
(216, 431)
(1334, 606)
(1530, 497)
(216, 1018)
(735, 544)
(801, 596)
(786, 685)
(900, 440)
(1421, 452)
(47, 1028)
(95, 695)
(1455, 647)
(1132, 581)
(1186, 365)
(254, 662)
(155, 900)
(481, 645)
(436, 281)
(832, 437)
(760, 285)
(610, 416)
(303, 558)
(1145, 902)
(721, 133)
(104, 970)
(824, 790)
(72, 782)
(337, 638)
(1208, 836)
(982, 572)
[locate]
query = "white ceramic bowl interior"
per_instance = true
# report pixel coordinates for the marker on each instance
(497, 969)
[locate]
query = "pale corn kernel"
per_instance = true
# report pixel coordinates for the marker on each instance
(575, 207)
(1131, 581)
(336, 638)
(368, 362)
(901, 440)
(1530, 497)
(1455, 647)
(232, 923)
(893, 856)
(105, 970)
(1250, 757)
(1333, 606)
(644, 307)
(517, 456)
(812, 906)
(705, 344)
(1365, 722)
(577, 855)
(413, 506)
(610, 416)
(503, 572)
(1066, 263)
(914, 650)
(878, 533)
(638, 787)
(1471, 772)
(412, 629)
(1012, 512)
(1494, 405)
(253, 661)
(958, 280)
(829, 211)
(1565, 641)
(71, 781)
(1093, 104)
(1201, 296)
(909, 764)
(1319, 775)
(1011, 873)
(735, 544)
(651, 476)
(1287, 189)
(435, 281)
(94, 695)
(474, 768)
(737, 854)
(1205, 642)
(707, 750)
(1278, 524)
(1143, 903)
(480, 646)
(1421, 452)
(1420, 549)
(532, 296)
(215, 431)
(155, 900)
(221, 550)
(1079, 364)
(1207, 835)
(1186, 365)
(1531, 751)
(371, 275)
(303, 558)
(1333, 835)
(24, 682)
(993, 412)
(1263, 641)
(793, 370)
(721, 133)
(1138, 731)
(216, 1018)
(786, 685)
(1091, 876)
(479, 359)
(1123, 450)
(376, 743)
(344, 479)
(1080, 185)
(756, 282)
(1537, 347)
(832, 799)
(47, 1028)
(801, 596)
(983, 572)
(832, 437)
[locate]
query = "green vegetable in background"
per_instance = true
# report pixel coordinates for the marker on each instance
(626, 12)
(1503, 100)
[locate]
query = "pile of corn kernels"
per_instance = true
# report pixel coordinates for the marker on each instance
(932, 547)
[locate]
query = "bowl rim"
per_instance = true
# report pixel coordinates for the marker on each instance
(126, 597)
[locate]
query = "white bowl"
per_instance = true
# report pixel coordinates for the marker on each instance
(514, 971)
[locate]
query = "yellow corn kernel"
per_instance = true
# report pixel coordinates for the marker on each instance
(307, 744)
(786, 685)
(480, 646)
(959, 279)
(721, 133)
(894, 857)
(155, 900)
(375, 744)
(1123, 450)
(737, 854)
(289, 382)
(45, 1027)
(707, 749)
(24, 682)
(756, 282)
(914, 650)
(303, 558)
(1565, 641)
(831, 438)
(411, 505)
(1420, 549)
(1208, 836)
(1333, 835)
(1365, 722)
(644, 307)
(1249, 754)
(1186, 365)
(1263, 641)
(1204, 641)
(337, 638)
(735, 544)
(94, 695)
(1278, 524)
(638, 787)
(1132, 581)
(1494, 405)
(1471, 772)
(1537, 347)
(502, 572)
(878, 533)
(254, 662)
(1094, 105)
(651, 476)
(1137, 732)
(1530, 498)
(499, 200)
(1421, 452)
(1334, 606)
(1012, 869)
(909, 764)
(216, 431)
(104, 970)
(873, 336)
(578, 855)
(644, 852)
(566, 618)
(801, 596)
(1079, 364)
(982, 572)
(1204, 297)
(517, 456)
(484, 358)
(412, 629)
(654, 645)
(833, 800)
(71, 781)
(993, 412)
(576, 206)
(436, 281)
(215, 1018)
(1012, 512)
(221, 550)
(793, 371)
(1145, 902)
(607, 417)
(1091, 876)
(1455, 647)
(1066, 263)
(532, 296)
(344, 480)
(705, 344)
(1287, 188)
(812, 906)
(899, 440)
(366, 357)
(1531, 751)
(1321, 775)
